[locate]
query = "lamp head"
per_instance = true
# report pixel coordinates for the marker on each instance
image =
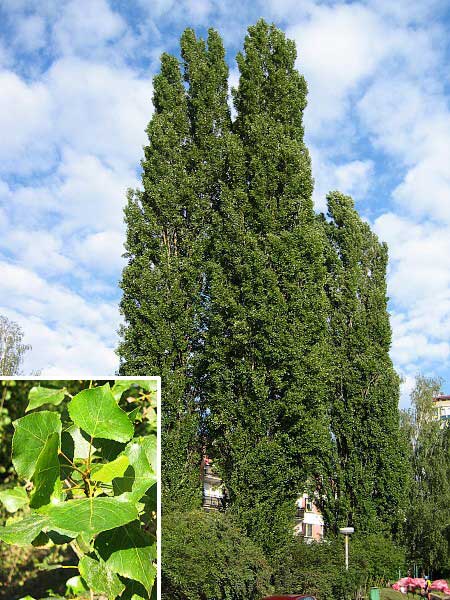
(347, 530)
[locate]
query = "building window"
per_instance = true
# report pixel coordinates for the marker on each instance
(308, 530)
(308, 504)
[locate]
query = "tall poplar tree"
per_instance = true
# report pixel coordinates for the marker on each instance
(427, 524)
(162, 281)
(369, 474)
(264, 361)
(267, 324)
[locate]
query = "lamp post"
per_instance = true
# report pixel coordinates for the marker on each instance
(346, 531)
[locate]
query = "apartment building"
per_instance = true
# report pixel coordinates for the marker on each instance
(308, 520)
(214, 496)
(442, 408)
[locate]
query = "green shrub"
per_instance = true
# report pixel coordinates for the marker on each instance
(318, 568)
(207, 556)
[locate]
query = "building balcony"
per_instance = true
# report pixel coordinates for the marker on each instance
(299, 514)
(213, 503)
(209, 474)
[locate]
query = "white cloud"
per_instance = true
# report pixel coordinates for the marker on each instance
(101, 110)
(405, 11)
(70, 335)
(85, 26)
(353, 178)
(425, 190)
(25, 123)
(30, 33)
(91, 108)
(416, 347)
(89, 195)
(406, 387)
(37, 249)
(419, 258)
(83, 201)
(64, 351)
(338, 46)
(28, 293)
(102, 251)
(419, 286)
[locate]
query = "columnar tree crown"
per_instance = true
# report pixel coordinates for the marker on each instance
(267, 323)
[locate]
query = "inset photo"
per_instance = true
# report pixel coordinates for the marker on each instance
(78, 488)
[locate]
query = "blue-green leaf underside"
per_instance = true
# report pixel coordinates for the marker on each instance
(14, 498)
(100, 578)
(140, 475)
(22, 533)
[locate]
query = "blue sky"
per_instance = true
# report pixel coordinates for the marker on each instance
(76, 87)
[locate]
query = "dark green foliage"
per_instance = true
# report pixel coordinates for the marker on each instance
(318, 568)
(368, 474)
(206, 555)
(270, 101)
(278, 368)
(162, 283)
(427, 527)
(264, 360)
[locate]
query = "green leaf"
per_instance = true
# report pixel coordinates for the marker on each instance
(122, 386)
(100, 578)
(14, 499)
(149, 444)
(108, 450)
(84, 544)
(41, 395)
(75, 586)
(140, 474)
(89, 515)
(96, 412)
(111, 470)
(25, 531)
(58, 492)
(135, 414)
(129, 552)
(134, 591)
(149, 385)
(30, 436)
(46, 472)
(80, 446)
(150, 501)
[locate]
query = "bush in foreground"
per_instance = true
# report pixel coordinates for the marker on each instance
(206, 555)
(318, 568)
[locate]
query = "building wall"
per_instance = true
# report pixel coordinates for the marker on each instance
(442, 408)
(213, 488)
(309, 521)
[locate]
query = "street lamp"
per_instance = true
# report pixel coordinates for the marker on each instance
(346, 531)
